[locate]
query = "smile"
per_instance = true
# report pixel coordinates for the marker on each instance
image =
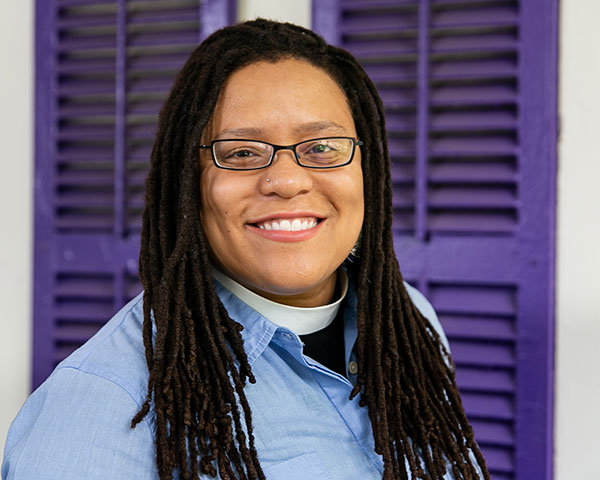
(289, 225)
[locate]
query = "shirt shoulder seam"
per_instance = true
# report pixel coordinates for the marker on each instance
(112, 381)
(92, 350)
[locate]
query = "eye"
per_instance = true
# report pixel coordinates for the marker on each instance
(242, 154)
(320, 148)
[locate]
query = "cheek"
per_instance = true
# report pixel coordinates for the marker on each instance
(213, 204)
(355, 193)
(221, 197)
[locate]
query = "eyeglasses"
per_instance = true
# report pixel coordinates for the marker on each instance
(319, 153)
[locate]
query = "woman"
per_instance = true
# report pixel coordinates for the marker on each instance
(280, 339)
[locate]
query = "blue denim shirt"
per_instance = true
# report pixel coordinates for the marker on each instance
(77, 424)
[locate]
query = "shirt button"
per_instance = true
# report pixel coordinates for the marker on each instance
(352, 367)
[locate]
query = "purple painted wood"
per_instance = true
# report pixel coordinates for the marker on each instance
(539, 127)
(470, 92)
(422, 140)
(102, 71)
(215, 14)
(120, 123)
(325, 20)
(43, 266)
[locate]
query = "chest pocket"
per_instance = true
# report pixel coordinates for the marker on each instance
(307, 465)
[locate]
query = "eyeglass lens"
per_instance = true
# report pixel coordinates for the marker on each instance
(247, 154)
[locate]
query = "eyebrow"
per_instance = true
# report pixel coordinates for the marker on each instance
(311, 128)
(317, 127)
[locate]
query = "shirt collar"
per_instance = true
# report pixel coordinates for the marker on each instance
(301, 321)
(258, 331)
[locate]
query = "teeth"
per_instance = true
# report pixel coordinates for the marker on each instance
(295, 225)
(285, 225)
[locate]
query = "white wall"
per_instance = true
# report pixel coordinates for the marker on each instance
(296, 11)
(577, 421)
(578, 258)
(16, 192)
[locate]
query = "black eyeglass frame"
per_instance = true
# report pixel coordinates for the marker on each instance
(355, 142)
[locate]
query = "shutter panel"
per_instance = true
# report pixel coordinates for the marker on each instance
(469, 88)
(103, 69)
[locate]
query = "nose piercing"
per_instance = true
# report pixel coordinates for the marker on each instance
(268, 180)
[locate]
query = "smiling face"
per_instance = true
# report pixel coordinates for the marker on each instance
(282, 231)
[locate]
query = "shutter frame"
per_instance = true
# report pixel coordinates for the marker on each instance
(87, 200)
(442, 262)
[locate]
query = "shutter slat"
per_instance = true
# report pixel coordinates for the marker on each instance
(85, 178)
(485, 380)
(493, 41)
(399, 98)
(470, 120)
(486, 354)
(400, 123)
(74, 220)
(383, 47)
(479, 327)
(403, 220)
(478, 170)
(401, 147)
(87, 5)
(374, 5)
(404, 198)
(164, 16)
(471, 197)
(468, 94)
(481, 299)
(392, 73)
(492, 17)
(499, 461)
(87, 198)
(494, 432)
(474, 69)
(499, 407)
(472, 221)
(75, 333)
(462, 145)
(403, 172)
(177, 37)
(389, 22)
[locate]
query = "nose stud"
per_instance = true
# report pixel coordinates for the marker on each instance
(268, 180)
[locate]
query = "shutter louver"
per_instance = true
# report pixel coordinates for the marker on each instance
(383, 35)
(470, 99)
(472, 170)
(160, 36)
(104, 68)
(85, 116)
(82, 303)
(479, 321)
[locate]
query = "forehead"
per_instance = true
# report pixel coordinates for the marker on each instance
(271, 96)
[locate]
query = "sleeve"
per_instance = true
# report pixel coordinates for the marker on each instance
(77, 426)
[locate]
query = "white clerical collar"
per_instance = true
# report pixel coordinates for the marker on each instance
(301, 321)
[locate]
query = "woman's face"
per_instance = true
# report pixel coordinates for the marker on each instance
(282, 103)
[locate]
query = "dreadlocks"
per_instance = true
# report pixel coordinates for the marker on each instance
(196, 360)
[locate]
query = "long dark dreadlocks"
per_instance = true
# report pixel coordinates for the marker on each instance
(197, 364)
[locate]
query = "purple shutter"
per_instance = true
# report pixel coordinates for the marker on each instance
(470, 93)
(103, 68)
